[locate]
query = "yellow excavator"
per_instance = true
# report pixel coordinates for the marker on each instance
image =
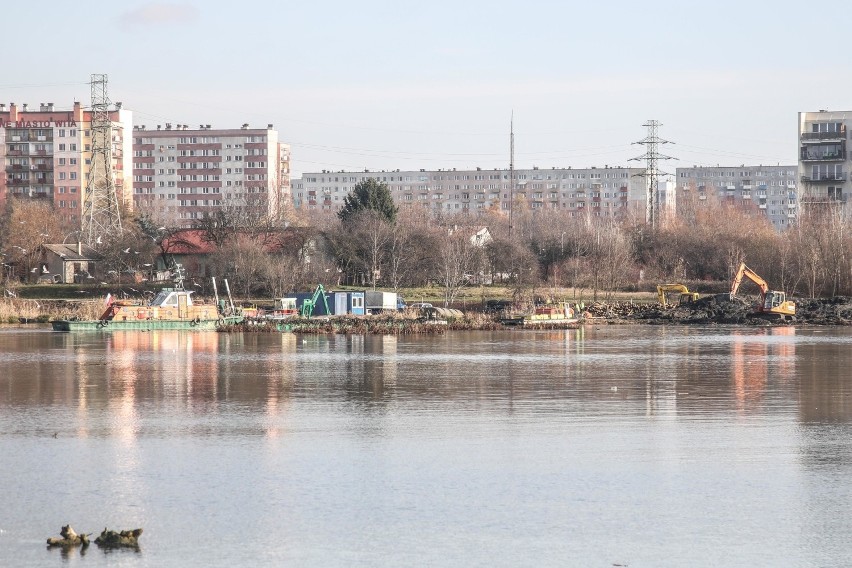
(773, 303)
(686, 297)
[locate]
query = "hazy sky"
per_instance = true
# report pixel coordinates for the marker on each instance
(396, 84)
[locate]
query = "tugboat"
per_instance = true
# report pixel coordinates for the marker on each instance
(172, 308)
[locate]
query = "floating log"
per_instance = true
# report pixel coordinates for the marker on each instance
(69, 538)
(122, 539)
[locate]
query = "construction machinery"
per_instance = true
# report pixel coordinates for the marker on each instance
(308, 304)
(773, 303)
(686, 297)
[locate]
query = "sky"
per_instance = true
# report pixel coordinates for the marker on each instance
(385, 85)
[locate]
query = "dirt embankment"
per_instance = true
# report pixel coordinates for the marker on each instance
(720, 309)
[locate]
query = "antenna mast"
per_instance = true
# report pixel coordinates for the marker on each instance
(512, 174)
(652, 173)
(101, 216)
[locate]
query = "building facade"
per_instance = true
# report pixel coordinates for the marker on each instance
(824, 163)
(46, 154)
(771, 191)
(179, 175)
(598, 192)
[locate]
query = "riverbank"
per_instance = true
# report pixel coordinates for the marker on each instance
(714, 309)
(721, 309)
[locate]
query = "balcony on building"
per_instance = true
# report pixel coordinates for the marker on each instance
(836, 133)
(823, 152)
(824, 178)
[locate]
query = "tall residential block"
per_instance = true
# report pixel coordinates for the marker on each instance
(824, 162)
(771, 191)
(46, 154)
(181, 174)
(599, 192)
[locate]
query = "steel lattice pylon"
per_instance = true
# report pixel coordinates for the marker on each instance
(652, 172)
(101, 216)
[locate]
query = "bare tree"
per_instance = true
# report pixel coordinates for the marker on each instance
(24, 228)
(458, 259)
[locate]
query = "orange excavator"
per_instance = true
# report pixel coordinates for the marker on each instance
(773, 303)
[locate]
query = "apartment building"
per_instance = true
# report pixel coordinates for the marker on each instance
(824, 163)
(599, 192)
(46, 154)
(181, 174)
(767, 190)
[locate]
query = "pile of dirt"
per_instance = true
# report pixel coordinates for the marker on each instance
(721, 309)
(825, 311)
(622, 311)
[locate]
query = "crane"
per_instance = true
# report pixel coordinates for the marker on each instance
(773, 303)
(309, 303)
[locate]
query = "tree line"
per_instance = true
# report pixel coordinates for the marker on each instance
(372, 243)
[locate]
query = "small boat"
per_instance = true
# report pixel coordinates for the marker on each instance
(546, 314)
(285, 308)
(172, 308)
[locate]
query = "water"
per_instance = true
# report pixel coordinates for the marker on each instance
(634, 445)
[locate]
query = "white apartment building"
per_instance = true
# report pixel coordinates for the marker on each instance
(599, 192)
(180, 174)
(768, 190)
(824, 163)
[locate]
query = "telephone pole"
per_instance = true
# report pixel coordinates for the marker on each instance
(652, 173)
(101, 216)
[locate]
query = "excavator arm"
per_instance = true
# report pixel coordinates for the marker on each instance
(309, 304)
(746, 272)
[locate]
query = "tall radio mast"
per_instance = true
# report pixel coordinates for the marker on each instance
(512, 174)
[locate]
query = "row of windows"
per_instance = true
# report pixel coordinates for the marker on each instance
(198, 140)
(476, 177)
(742, 174)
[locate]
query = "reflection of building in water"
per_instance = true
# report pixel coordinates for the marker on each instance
(187, 369)
(380, 370)
(748, 368)
(825, 388)
(280, 385)
(760, 358)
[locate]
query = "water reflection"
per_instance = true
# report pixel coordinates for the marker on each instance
(638, 438)
(660, 372)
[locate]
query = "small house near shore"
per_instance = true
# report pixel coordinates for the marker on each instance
(74, 263)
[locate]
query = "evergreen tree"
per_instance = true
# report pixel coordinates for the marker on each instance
(368, 194)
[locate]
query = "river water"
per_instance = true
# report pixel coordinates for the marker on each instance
(602, 446)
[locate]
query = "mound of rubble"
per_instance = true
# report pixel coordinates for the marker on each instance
(721, 309)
